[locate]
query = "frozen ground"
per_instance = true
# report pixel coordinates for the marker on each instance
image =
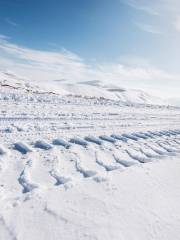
(74, 167)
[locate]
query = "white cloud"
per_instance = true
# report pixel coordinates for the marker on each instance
(148, 28)
(11, 22)
(177, 23)
(146, 7)
(161, 11)
(4, 37)
(42, 63)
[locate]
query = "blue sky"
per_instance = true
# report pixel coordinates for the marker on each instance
(133, 43)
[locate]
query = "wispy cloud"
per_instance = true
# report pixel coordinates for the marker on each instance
(147, 8)
(11, 22)
(166, 12)
(42, 64)
(177, 23)
(148, 28)
(4, 37)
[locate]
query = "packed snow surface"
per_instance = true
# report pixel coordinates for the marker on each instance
(74, 167)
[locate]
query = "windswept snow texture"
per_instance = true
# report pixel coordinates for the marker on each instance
(80, 168)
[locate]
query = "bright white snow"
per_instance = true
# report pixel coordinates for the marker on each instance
(87, 167)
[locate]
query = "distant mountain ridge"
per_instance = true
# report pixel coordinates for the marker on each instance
(92, 89)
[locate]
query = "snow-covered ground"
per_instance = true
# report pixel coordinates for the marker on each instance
(84, 166)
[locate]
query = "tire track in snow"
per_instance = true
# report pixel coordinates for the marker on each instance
(5, 231)
(93, 161)
(25, 178)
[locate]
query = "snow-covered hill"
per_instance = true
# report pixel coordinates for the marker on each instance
(11, 81)
(126, 95)
(90, 89)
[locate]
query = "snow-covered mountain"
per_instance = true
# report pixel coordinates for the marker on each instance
(90, 89)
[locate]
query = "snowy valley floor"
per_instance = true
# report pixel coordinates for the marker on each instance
(76, 168)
